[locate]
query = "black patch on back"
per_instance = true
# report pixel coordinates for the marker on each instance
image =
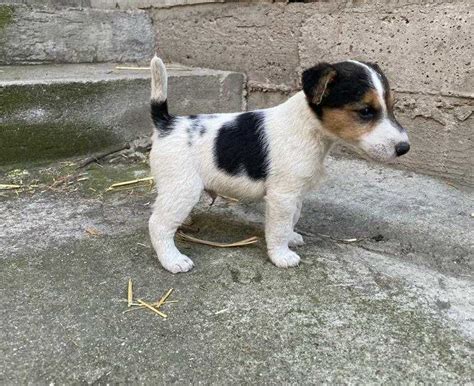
(163, 121)
(241, 146)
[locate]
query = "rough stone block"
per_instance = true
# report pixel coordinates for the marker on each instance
(260, 39)
(261, 99)
(132, 4)
(421, 48)
(49, 3)
(53, 111)
(40, 35)
(441, 134)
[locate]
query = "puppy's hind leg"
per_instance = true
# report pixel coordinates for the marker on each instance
(175, 200)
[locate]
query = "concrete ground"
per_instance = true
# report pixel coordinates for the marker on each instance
(396, 304)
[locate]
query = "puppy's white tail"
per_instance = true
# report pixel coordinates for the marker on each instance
(159, 80)
(159, 94)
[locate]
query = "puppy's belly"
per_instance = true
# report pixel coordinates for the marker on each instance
(240, 187)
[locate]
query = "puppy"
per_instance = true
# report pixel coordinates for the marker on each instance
(276, 154)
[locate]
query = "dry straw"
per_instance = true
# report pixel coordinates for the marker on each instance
(241, 243)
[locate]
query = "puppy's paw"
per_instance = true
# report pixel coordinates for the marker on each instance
(178, 263)
(285, 259)
(296, 240)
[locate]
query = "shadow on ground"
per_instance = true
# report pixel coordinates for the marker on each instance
(353, 312)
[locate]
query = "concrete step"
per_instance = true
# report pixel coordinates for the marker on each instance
(54, 4)
(350, 313)
(50, 3)
(53, 111)
(110, 4)
(73, 35)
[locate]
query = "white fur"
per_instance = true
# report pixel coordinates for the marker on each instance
(376, 82)
(296, 152)
(159, 76)
(297, 146)
(380, 143)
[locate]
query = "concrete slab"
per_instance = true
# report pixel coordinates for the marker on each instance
(109, 4)
(42, 115)
(377, 310)
(44, 35)
(49, 3)
(259, 39)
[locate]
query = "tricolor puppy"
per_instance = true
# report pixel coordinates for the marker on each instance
(276, 154)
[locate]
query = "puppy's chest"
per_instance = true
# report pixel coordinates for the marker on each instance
(310, 174)
(303, 161)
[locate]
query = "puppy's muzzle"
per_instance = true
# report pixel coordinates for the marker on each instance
(402, 148)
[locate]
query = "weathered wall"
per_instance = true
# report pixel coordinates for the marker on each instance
(425, 47)
(73, 35)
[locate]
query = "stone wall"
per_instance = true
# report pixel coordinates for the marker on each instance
(31, 34)
(425, 47)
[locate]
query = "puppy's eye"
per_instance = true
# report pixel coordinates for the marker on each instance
(366, 113)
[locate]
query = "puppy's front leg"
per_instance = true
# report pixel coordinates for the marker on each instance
(280, 211)
(295, 238)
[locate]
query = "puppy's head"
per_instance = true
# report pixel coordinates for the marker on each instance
(354, 103)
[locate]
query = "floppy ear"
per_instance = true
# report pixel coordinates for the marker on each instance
(317, 80)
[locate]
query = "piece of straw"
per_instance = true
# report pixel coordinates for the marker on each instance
(163, 299)
(9, 187)
(339, 240)
(153, 304)
(136, 306)
(232, 199)
(131, 182)
(92, 232)
(241, 243)
(132, 68)
(150, 307)
(130, 293)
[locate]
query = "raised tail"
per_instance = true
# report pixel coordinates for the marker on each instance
(159, 95)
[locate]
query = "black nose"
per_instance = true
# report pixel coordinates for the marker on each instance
(402, 148)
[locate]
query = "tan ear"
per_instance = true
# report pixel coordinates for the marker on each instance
(321, 88)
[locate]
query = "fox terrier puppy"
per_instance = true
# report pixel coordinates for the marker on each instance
(276, 154)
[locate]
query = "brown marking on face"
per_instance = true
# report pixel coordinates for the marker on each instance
(346, 123)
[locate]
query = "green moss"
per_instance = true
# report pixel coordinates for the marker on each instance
(25, 97)
(6, 16)
(47, 141)
(45, 123)
(101, 177)
(94, 181)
